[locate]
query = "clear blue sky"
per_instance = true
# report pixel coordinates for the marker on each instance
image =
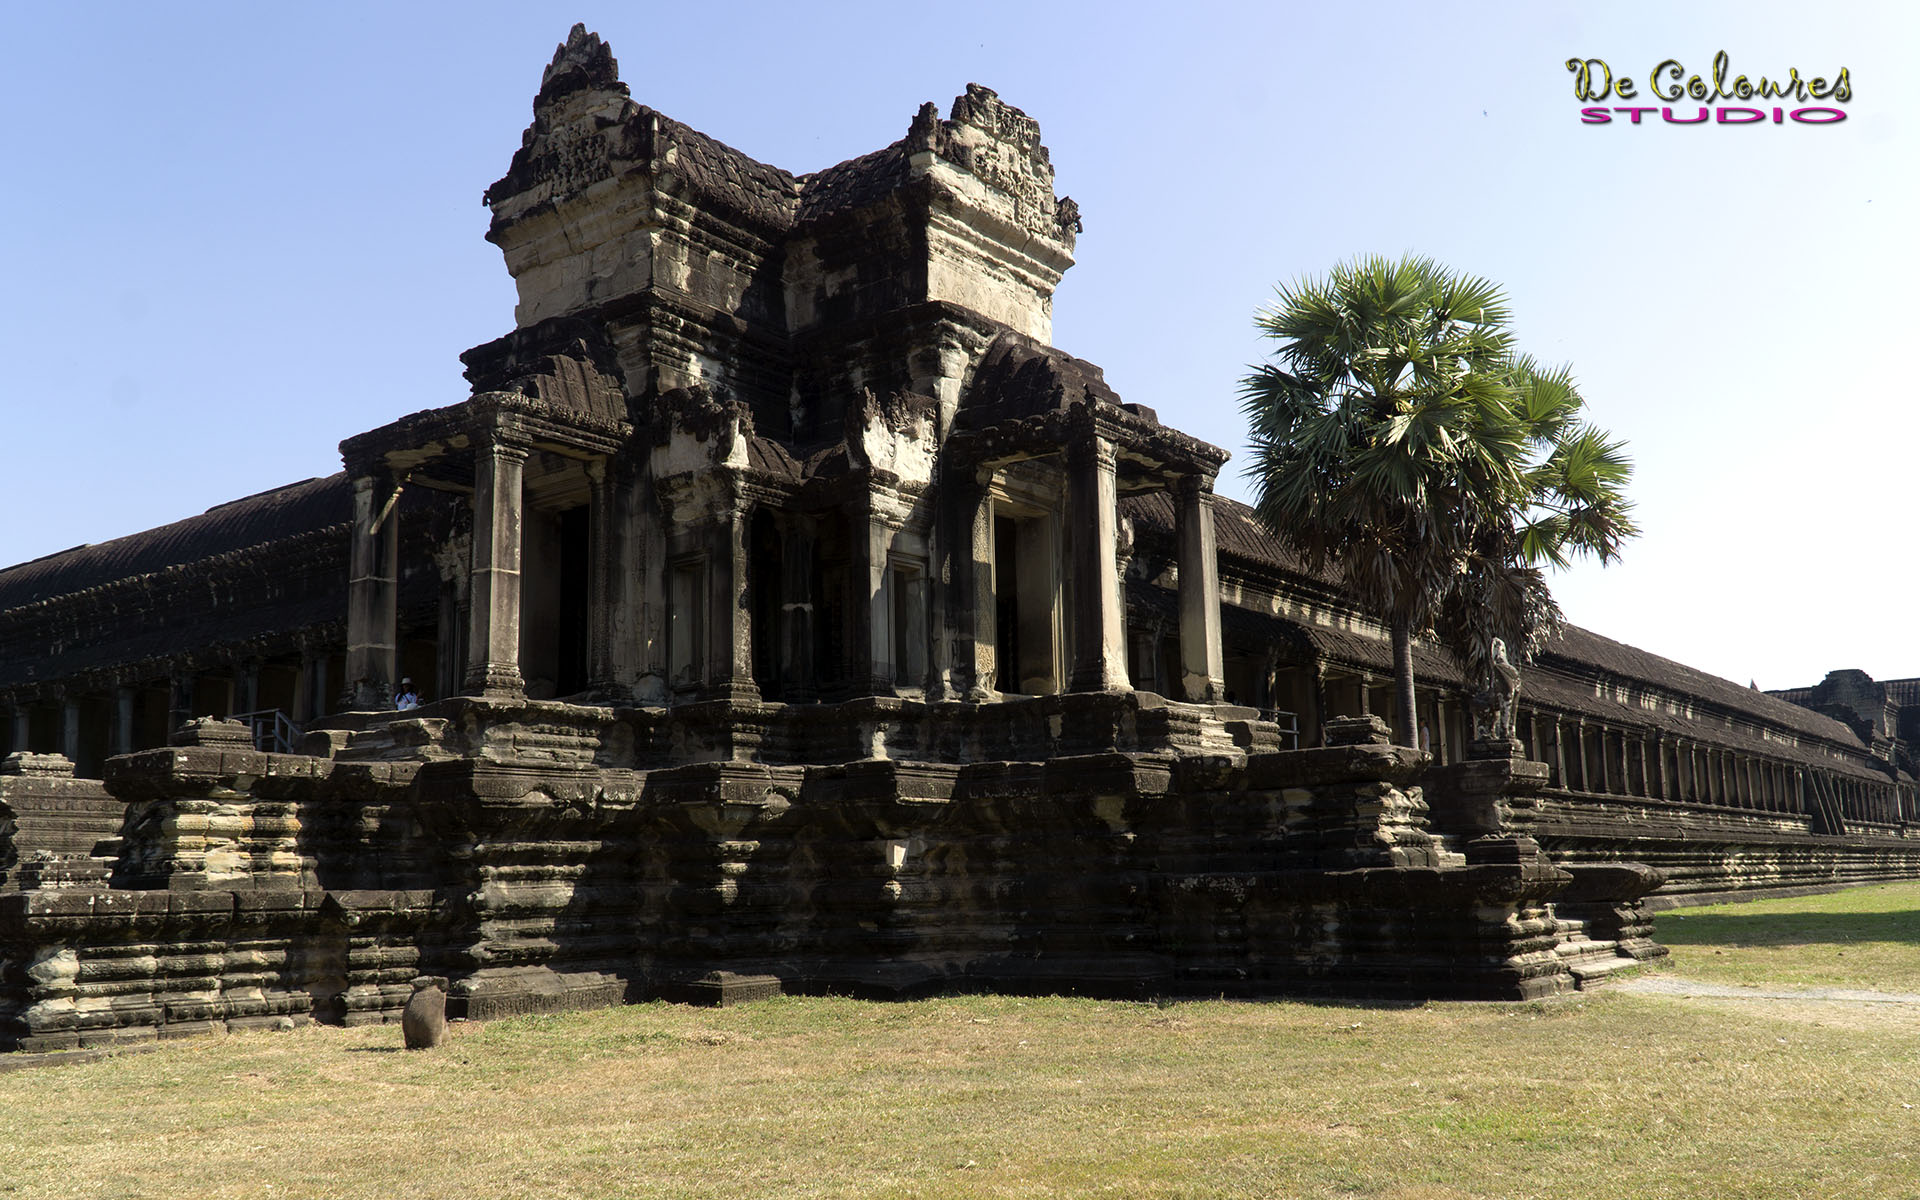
(236, 235)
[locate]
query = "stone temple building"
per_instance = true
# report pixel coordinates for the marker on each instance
(788, 612)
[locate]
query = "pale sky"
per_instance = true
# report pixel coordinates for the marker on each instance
(235, 236)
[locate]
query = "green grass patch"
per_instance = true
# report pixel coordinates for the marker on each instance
(1861, 938)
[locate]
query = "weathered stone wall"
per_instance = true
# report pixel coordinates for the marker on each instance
(55, 830)
(250, 888)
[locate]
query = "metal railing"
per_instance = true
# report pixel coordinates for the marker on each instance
(1289, 723)
(273, 731)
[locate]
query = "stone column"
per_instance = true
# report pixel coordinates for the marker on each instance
(796, 611)
(729, 615)
(1580, 747)
(179, 700)
(642, 620)
(1099, 621)
(22, 728)
(373, 592)
(868, 640)
(1202, 660)
(122, 720)
(977, 612)
(493, 619)
(70, 728)
(248, 674)
(303, 690)
(317, 687)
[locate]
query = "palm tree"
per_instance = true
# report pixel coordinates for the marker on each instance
(1400, 442)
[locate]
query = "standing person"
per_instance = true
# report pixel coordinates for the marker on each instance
(407, 697)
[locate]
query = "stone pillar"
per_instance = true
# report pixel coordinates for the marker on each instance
(729, 615)
(1202, 660)
(604, 567)
(1099, 621)
(303, 690)
(868, 640)
(320, 691)
(373, 592)
(493, 620)
(22, 729)
(642, 620)
(70, 729)
(122, 720)
(796, 611)
(1580, 748)
(248, 674)
(976, 607)
(179, 700)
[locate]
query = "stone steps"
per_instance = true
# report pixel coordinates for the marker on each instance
(1591, 961)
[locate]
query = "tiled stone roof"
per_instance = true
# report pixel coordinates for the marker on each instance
(255, 520)
(853, 184)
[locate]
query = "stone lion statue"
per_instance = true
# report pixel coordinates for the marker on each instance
(1496, 702)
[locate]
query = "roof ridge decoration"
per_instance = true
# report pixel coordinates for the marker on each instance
(580, 63)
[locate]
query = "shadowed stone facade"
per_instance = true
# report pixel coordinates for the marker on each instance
(791, 614)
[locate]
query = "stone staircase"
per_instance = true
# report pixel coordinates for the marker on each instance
(1591, 961)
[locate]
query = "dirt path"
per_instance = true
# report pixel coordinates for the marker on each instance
(1666, 985)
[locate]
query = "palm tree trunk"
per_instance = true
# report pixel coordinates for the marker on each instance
(1406, 731)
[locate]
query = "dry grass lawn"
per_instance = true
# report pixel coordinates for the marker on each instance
(1614, 1095)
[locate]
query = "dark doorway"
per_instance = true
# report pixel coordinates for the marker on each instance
(1006, 605)
(764, 570)
(575, 548)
